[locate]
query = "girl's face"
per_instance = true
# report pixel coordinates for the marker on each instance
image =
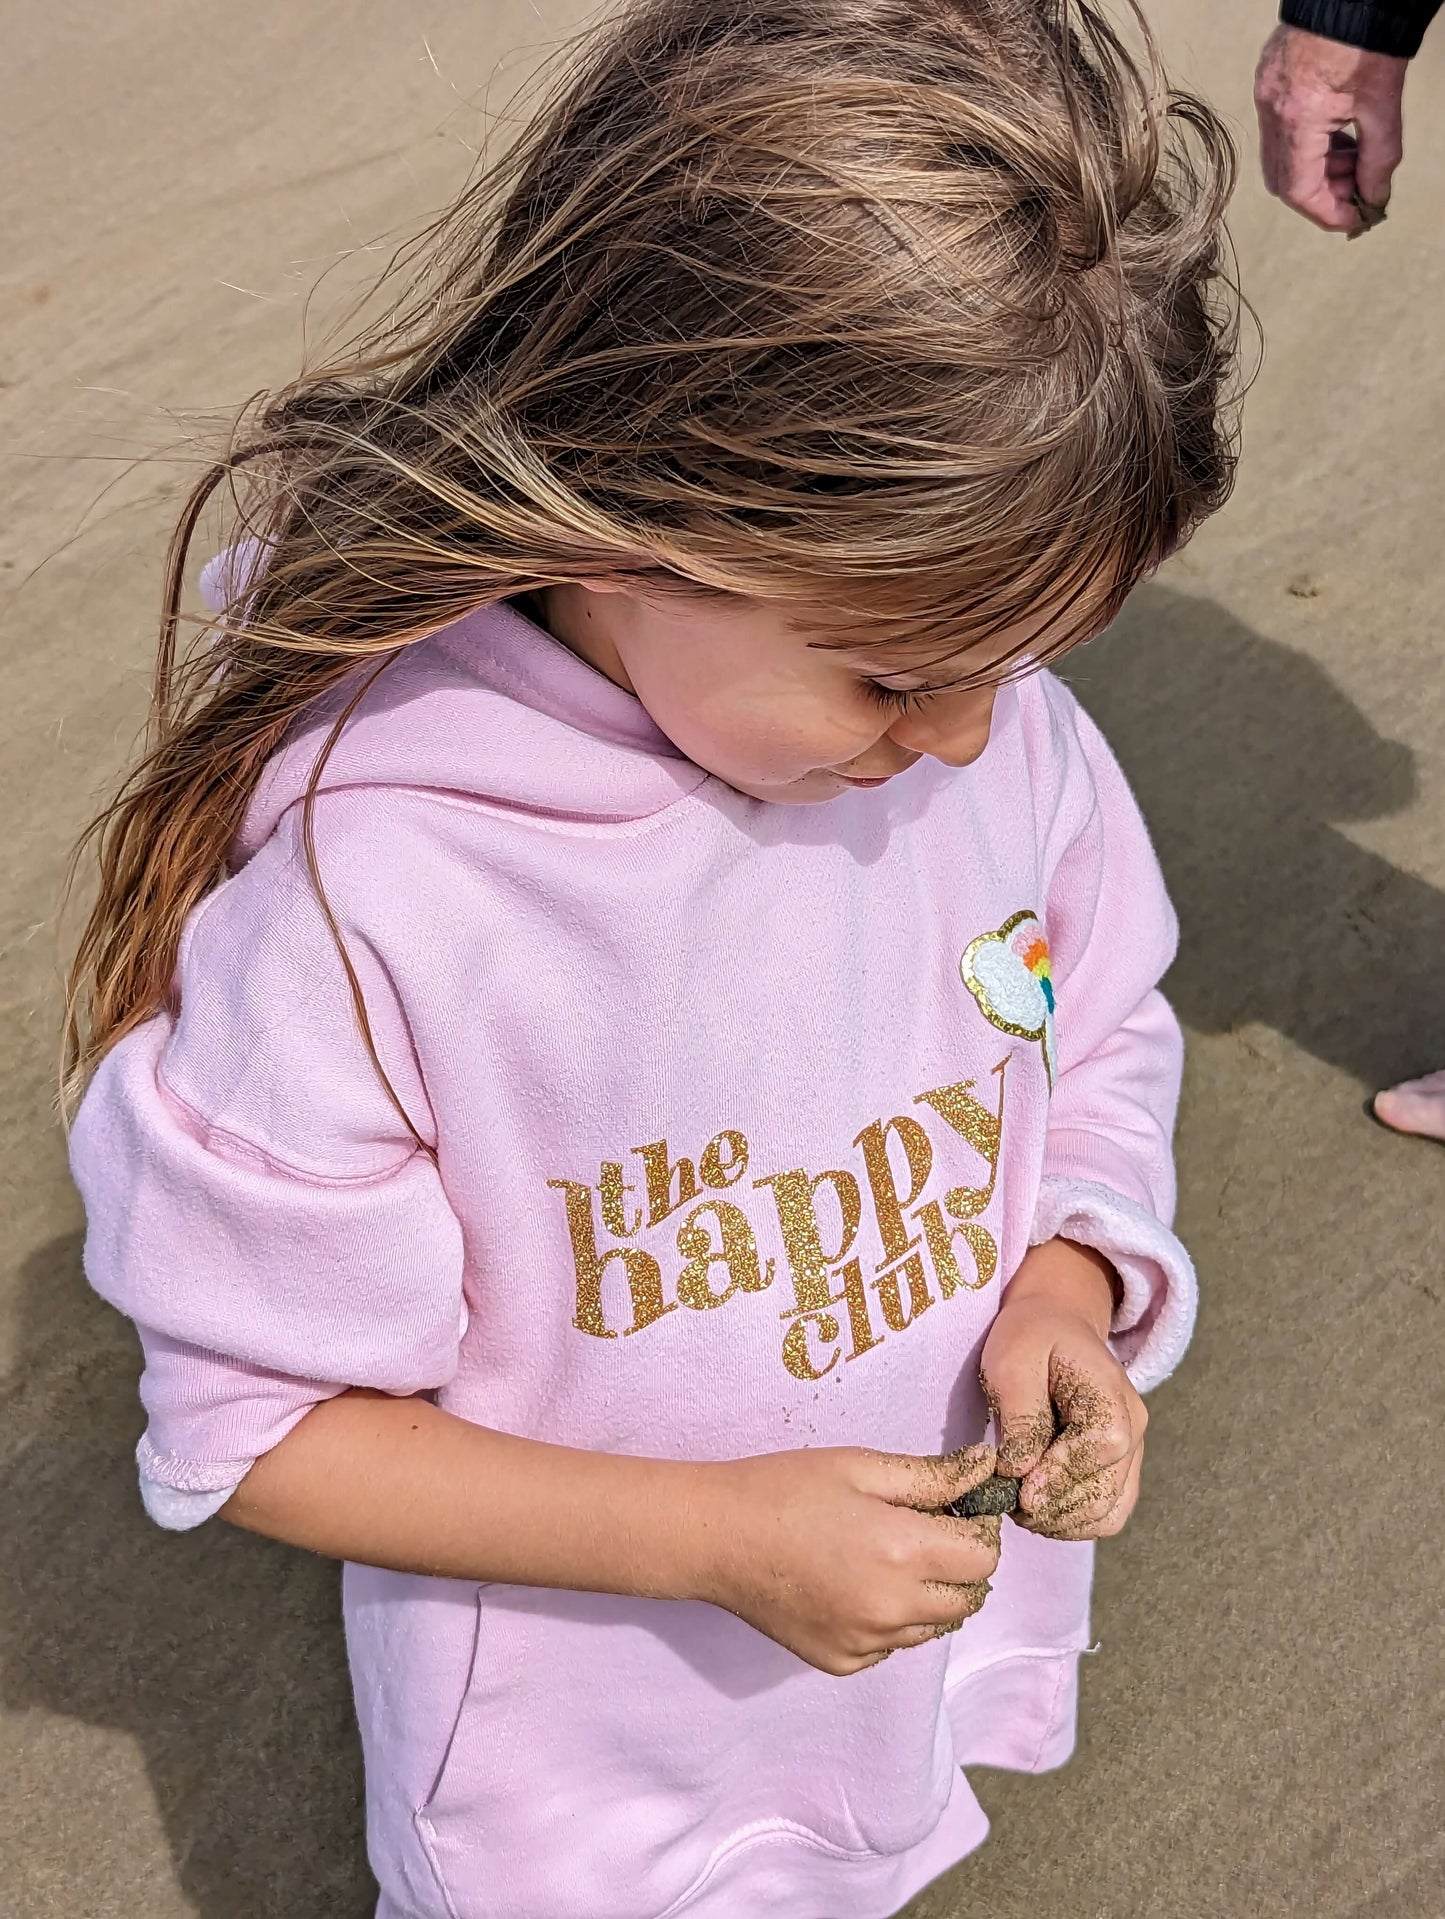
(743, 688)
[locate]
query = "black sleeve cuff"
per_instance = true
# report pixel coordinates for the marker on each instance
(1372, 24)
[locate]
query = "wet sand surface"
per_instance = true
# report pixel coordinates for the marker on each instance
(1261, 1732)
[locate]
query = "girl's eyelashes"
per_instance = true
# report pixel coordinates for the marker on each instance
(894, 699)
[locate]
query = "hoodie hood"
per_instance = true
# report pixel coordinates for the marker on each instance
(491, 708)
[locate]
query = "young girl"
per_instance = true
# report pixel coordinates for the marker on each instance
(622, 993)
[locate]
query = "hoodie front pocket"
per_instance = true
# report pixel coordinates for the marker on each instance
(422, 1818)
(606, 1749)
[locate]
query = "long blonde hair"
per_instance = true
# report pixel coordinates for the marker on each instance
(914, 308)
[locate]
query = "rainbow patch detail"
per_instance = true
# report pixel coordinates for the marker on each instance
(1009, 974)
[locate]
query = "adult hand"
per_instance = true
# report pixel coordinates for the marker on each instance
(1329, 126)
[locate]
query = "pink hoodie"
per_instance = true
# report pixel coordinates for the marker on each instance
(743, 1114)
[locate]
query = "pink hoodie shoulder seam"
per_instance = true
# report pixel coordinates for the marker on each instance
(241, 1151)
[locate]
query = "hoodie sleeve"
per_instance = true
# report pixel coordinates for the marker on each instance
(1379, 26)
(254, 1200)
(1108, 1172)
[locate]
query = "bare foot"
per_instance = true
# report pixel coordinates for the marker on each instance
(1415, 1106)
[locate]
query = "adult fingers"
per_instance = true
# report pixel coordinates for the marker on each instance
(1310, 176)
(1341, 159)
(1380, 138)
(1298, 116)
(1301, 139)
(1300, 110)
(1270, 85)
(1266, 108)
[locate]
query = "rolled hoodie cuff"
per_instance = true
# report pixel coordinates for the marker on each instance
(177, 1511)
(179, 1492)
(211, 1419)
(1154, 1320)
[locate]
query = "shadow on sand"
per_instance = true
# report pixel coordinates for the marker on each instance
(220, 1656)
(1246, 759)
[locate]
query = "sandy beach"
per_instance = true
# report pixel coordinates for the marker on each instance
(1261, 1732)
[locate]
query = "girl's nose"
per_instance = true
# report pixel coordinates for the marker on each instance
(952, 727)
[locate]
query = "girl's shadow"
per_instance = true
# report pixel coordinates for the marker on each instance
(220, 1656)
(1245, 758)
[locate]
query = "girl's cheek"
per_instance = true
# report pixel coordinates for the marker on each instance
(805, 752)
(778, 734)
(830, 738)
(763, 737)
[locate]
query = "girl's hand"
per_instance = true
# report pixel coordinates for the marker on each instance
(842, 1555)
(1070, 1424)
